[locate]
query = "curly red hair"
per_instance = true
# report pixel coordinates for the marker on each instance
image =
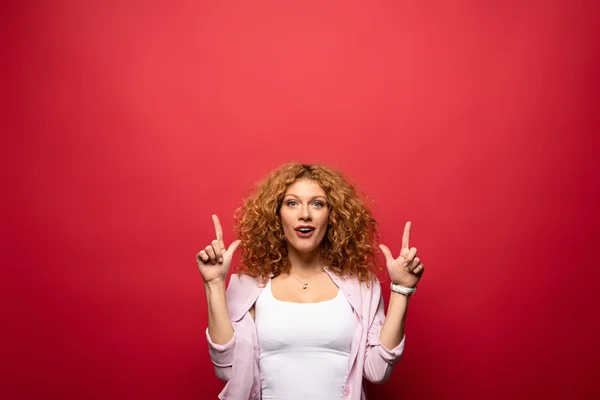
(349, 246)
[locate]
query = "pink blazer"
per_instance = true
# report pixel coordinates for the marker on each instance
(236, 362)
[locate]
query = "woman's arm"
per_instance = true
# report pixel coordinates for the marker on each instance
(214, 262)
(386, 334)
(220, 333)
(406, 271)
(392, 331)
(240, 346)
(379, 358)
(220, 329)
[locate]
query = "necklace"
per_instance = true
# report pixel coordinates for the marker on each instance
(305, 284)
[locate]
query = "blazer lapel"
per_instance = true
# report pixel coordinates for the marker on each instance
(242, 292)
(351, 289)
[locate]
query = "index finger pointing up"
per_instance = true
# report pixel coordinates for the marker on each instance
(218, 229)
(406, 235)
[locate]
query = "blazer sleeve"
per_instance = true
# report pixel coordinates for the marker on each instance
(379, 361)
(221, 356)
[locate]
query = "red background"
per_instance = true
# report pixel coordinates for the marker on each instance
(126, 124)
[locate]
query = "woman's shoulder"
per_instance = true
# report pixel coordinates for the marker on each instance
(240, 280)
(242, 292)
(368, 284)
(353, 284)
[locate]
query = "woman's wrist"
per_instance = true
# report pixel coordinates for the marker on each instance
(215, 284)
(404, 290)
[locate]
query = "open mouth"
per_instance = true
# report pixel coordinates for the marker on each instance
(305, 231)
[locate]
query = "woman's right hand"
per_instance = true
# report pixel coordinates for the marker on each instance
(214, 260)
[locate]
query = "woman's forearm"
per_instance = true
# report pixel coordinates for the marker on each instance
(392, 330)
(219, 324)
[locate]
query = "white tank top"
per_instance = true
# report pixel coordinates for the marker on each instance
(304, 347)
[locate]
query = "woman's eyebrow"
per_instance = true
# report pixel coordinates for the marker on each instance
(311, 198)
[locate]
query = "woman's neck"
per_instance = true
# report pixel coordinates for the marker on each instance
(305, 262)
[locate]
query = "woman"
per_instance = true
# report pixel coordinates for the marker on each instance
(304, 317)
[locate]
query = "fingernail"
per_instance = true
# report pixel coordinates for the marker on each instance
(220, 259)
(406, 264)
(213, 262)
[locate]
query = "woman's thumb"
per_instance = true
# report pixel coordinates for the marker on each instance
(386, 252)
(233, 247)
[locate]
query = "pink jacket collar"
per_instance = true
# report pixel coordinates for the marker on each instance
(240, 301)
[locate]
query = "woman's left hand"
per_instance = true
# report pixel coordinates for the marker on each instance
(406, 270)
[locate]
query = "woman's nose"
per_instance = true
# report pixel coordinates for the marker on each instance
(304, 213)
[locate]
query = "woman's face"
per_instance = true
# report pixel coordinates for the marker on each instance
(304, 215)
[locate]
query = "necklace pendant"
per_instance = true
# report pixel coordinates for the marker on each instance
(305, 286)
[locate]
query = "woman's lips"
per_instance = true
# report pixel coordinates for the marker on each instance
(305, 235)
(308, 232)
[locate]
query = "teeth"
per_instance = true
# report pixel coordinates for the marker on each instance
(305, 230)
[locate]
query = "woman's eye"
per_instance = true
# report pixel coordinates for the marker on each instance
(291, 203)
(318, 204)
